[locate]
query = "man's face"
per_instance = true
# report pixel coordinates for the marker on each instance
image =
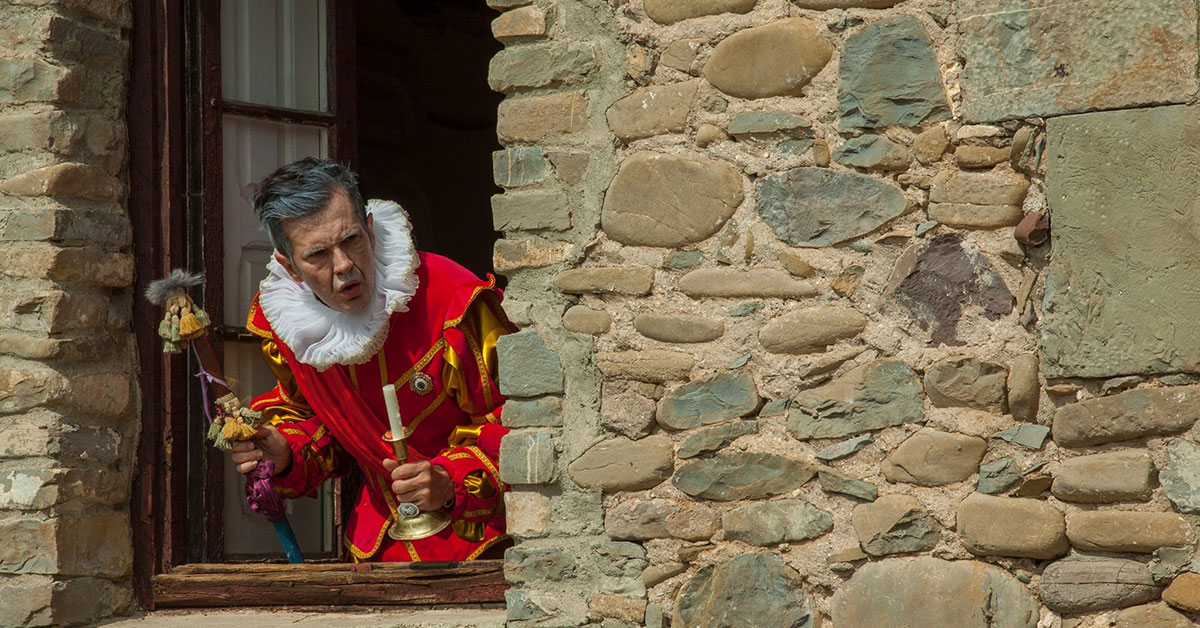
(334, 254)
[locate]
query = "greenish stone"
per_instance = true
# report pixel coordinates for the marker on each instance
(869, 397)
(1178, 379)
(890, 76)
(860, 246)
(741, 361)
(532, 564)
(793, 148)
(775, 407)
(844, 448)
(709, 400)
(528, 368)
(619, 559)
(999, 476)
(683, 259)
(894, 524)
(765, 122)
(1030, 59)
(742, 592)
(729, 477)
(1181, 479)
(747, 308)
(527, 458)
(1138, 257)
(1169, 562)
(542, 412)
(873, 151)
(518, 607)
(834, 482)
(515, 167)
(714, 438)
(775, 522)
(814, 207)
(546, 65)
(924, 227)
(1031, 436)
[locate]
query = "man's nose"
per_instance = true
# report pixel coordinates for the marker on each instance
(341, 262)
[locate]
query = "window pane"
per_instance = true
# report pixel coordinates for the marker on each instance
(273, 52)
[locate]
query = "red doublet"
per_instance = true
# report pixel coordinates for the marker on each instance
(440, 356)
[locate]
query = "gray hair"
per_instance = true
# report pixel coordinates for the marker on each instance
(299, 189)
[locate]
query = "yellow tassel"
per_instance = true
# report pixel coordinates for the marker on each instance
(190, 327)
(237, 430)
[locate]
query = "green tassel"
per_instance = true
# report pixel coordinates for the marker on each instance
(171, 347)
(202, 316)
(214, 431)
(164, 328)
(252, 417)
(221, 443)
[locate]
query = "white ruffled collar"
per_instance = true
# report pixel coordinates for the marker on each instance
(321, 336)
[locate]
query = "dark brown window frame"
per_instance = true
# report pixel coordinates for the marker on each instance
(174, 113)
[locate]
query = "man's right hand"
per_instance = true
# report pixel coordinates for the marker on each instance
(267, 443)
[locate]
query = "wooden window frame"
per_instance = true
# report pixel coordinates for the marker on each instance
(174, 114)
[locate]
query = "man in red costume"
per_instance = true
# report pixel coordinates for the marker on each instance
(348, 306)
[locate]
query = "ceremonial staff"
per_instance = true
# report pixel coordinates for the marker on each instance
(185, 326)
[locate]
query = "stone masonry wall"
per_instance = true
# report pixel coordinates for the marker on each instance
(863, 313)
(68, 420)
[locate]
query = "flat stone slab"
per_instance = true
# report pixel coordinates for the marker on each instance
(741, 592)
(645, 519)
(907, 593)
(1124, 416)
(890, 76)
(713, 399)
(815, 207)
(1006, 526)
(998, 476)
(966, 382)
(1084, 584)
(1138, 256)
(672, 11)
(840, 483)
(1031, 436)
(1181, 478)
(845, 448)
(894, 524)
(1119, 531)
(713, 438)
(620, 464)
(373, 618)
(1028, 58)
(1108, 477)
(733, 476)
(775, 522)
(869, 397)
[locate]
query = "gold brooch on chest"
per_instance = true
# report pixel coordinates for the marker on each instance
(421, 384)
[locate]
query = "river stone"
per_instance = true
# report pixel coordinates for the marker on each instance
(815, 207)
(1184, 592)
(756, 282)
(767, 122)
(772, 523)
(652, 110)
(845, 448)
(966, 382)
(620, 464)
(933, 593)
(1116, 531)
(894, 524)
(1150, 616)
(584, 320)
(652, 365)
(1132, 414)
(1025, 59)
(714, 438)
(1023, 387)
(530, 368)
(936, 279)
(742, 592)
(869, 397)
(1085, 584)
(929, 146)
(999, 476)
(933, 458)
(713, 399)
(845, 4)
(1006, 526)
(678, 327)
(777, 59)
(968, 216)
(873, 152)
(1143, 264)
(1108, 477)
(672, 11)
(1181, 479)
(669, 200)
(624, 411)
(645, 519)
(834, 482)
(890, 76)
(811, 330)
(749, 475)
(994, 187)
(631, 280)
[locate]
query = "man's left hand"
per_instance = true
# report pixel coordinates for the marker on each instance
(422, 483)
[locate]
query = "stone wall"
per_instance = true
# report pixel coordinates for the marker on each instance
(67, 413)
(799, 339)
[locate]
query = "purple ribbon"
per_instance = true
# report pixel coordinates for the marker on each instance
(261, 494)
(205, 379)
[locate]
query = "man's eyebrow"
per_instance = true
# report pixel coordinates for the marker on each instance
(352, 232)
(313, 251)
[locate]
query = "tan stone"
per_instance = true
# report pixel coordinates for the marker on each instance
(28, 79)
(933, 458)
(523, 24)
(969, 216)
(513, 211)
(1132, 414)
(504, 5)
(1139, 532)
(845, 4)
(570, 167)
(72, 180)
(541, 118)
(527, 513)
(631, 280)
(931, 144)
(672, 11)
(1184, 592)
(811, 330)
(678, 327)
(1107, 477)
(660, 572)
(46, 261)
(513, 255)
(619, 464)
(681, 54)
(669, 200)
(654, 365)
(893, 524)
(980, 156)
(821, 153)
(795, 264)
(604, 605)
(778, 59)
(585, 320)
(1024, 388)
(642, 520)
(1149, 616)
(994, 187)
(1005, 526)
(756, 282)
(652, 110)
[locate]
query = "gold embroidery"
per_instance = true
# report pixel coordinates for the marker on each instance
(474, 293)
(483, 374)
(422, 363)
(486, 544)
(250, 326)
(412, 427)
